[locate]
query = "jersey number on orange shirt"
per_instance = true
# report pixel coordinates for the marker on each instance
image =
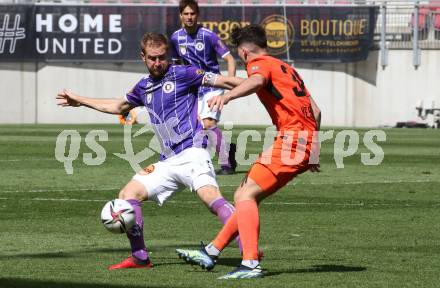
(298, 91)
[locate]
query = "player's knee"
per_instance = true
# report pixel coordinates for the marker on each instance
(243, 194)
(125, 194)
(238, 197)
(132, 192)
(208, 194)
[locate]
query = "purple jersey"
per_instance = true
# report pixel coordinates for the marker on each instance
(200, 49)
(171, 102)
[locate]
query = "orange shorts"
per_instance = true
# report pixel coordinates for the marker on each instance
(281, 163)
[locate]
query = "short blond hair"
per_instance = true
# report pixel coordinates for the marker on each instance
(153, 39)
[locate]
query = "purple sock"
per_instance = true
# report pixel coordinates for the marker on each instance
(221, 149)
(223, 209)
(136, 233)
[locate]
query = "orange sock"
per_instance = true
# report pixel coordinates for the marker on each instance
(227, 234)
(249, 227)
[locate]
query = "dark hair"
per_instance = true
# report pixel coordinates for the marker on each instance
(153, 39)
(193, 4)
(254, 34)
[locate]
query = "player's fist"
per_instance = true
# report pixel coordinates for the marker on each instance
(315, 168)
(66, 98)
(216, 103)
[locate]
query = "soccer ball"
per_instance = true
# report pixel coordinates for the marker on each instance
(118, 216)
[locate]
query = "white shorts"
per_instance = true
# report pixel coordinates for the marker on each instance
(203, 108)
(191, 168)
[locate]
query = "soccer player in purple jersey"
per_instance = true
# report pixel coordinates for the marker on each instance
(169, 94)
(200, 47)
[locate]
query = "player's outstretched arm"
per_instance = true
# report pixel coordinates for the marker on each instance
(67, 98)
(228, 82)
(225, 82)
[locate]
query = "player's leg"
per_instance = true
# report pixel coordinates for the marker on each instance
(135, 192)
(204, 183)
(247, 197)
(218, 205)
(262, 181)
(199, 175)
(212, 198)
(153, 183)
(225, 151)
(210, 119)
(251, 193)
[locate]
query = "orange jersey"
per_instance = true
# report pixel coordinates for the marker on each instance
(285, 97)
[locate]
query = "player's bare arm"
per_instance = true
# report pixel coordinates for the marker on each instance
(228, 82)
(225, 82)
(231, 64)
(67, 98)
(247, 87)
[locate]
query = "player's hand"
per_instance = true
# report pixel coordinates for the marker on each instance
(315, 168)
(314, 155)
(66, 98)
(216, 103)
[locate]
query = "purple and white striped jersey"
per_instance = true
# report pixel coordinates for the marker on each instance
(171, 102)
(200, 49)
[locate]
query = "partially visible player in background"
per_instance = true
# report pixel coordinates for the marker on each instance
(169, 94)
(296, 117)
(200, 47)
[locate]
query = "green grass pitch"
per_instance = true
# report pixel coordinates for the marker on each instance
(361, 226)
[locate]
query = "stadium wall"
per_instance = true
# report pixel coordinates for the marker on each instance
(358, 94)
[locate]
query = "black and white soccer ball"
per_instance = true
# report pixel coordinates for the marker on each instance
(118, 216)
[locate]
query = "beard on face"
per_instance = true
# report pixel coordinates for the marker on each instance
(158, 72)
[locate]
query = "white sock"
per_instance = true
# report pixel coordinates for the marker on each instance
(250, 263)
(212, 251)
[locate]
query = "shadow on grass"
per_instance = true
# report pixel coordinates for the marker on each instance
(326, 268)
(234, 262)
(78, 253)
(29, 283)
(61, 254)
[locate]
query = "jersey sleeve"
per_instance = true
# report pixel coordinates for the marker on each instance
(261, 67)
(194, 75)
(220, 48)
(134, 96)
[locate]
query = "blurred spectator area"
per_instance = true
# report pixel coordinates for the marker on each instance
(401, 20)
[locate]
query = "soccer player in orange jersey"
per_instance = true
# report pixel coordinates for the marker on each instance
(296, 117)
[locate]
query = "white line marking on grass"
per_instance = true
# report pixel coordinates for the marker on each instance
(313, 203)
(60, 190)
(294, 183)
(197, 202)
(227, 185)
(68, 200)
(182, 202)
(27, 159)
